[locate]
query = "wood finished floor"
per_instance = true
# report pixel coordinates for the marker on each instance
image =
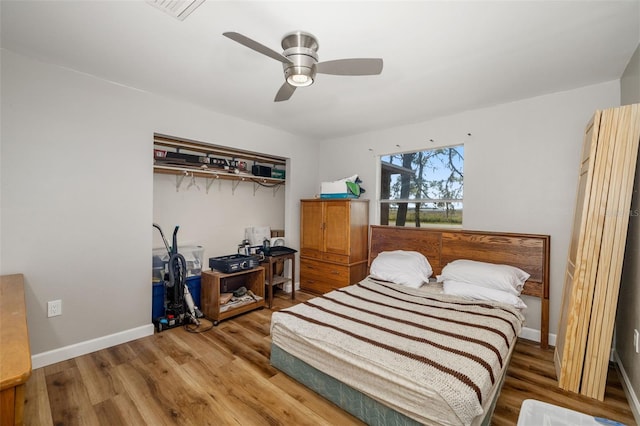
(223, 376)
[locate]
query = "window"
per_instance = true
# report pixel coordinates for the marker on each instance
(423, 187)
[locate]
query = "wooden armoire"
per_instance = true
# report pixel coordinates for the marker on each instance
(596, 252)
(334, 242)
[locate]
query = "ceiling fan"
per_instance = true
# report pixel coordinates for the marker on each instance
(300, 61)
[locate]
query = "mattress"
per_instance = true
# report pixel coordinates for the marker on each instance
(435, 358)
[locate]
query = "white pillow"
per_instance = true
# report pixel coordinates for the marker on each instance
(470, 291)
(408, 268)
(499, 277)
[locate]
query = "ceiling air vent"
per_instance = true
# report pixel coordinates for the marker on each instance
(179, 9)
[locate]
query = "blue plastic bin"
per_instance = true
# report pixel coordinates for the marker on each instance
(157, 307)
(194, 288)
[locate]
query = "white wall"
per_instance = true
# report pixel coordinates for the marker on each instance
(215, 220)
(521, 167)
(77, 188)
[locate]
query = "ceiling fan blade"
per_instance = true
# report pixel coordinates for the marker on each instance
(260, 48)
(285, 92)
(355, 66)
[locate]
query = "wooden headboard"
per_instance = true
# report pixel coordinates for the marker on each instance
(529, 252)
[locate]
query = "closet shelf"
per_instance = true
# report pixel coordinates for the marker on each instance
(186, 158)
(215, 174)
(164, 141)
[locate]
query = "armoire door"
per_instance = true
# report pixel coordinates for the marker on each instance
(337, 229)
(312, 229)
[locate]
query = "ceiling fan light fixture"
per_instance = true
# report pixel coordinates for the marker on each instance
(299, 80)
(300, 61)
(299, 76)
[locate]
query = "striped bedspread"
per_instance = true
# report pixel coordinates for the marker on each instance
(403, 346)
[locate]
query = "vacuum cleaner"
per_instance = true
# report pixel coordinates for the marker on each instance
(178, 303)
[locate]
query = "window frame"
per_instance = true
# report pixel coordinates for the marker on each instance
(381, 201)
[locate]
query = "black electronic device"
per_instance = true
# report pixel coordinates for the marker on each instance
(233, 263)
(258, 170)
(180, 158)
(281, 250)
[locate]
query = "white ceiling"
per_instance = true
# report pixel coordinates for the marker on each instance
(440, 57)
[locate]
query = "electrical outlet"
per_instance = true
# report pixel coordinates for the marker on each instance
(636, 341)
(54, 308)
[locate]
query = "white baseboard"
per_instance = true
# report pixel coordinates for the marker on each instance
(62, 354)
(534, 335)
(634, 404)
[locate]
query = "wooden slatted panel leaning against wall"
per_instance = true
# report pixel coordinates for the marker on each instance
(594, 265)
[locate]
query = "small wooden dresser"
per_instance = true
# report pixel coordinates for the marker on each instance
(333, 243)
(15, 354)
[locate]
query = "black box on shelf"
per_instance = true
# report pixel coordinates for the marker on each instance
(233, 263)
(258, 170)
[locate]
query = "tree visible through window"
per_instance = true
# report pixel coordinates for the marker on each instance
(423, 187)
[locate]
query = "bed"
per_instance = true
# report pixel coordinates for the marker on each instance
(392, 353)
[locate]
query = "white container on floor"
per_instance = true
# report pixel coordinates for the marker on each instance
(537, 413)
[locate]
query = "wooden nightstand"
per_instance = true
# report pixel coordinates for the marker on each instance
(215, 282)
(272, 279)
